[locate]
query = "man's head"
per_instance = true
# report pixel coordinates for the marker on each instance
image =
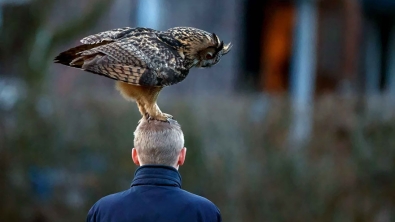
(158, 143)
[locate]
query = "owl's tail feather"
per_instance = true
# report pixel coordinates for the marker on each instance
(85, 61)
(72, 57)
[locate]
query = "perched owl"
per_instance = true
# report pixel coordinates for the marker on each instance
(144, 60)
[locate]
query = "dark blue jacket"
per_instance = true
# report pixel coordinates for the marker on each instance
(155, 195)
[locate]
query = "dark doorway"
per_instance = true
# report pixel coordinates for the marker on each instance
(268, 29)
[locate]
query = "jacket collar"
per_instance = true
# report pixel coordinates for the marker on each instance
(158, 175)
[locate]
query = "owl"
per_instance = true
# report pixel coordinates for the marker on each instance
(143, 61)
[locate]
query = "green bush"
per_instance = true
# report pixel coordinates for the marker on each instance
(243, 163)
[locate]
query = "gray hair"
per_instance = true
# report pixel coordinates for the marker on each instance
(158, 142)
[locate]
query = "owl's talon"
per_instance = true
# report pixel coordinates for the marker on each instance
(163, 117)
(148, 117)
(168, 116)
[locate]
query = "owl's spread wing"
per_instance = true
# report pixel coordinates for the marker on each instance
(140, 59)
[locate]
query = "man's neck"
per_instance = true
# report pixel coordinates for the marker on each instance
(176, 167)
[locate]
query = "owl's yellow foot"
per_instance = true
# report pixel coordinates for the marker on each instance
(164, 117)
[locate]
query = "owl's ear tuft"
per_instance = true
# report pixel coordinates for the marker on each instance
(216, 39)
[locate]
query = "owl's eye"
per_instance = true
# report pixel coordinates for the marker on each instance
(209, 55)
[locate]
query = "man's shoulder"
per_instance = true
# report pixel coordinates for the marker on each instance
(104, 205)
(203, 207)
(110, 199)
(198, 200)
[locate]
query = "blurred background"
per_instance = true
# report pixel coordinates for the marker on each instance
(296, 123)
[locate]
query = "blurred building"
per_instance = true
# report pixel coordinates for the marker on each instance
(267, 50)
(64, 133)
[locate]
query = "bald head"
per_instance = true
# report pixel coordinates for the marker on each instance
(158, 142)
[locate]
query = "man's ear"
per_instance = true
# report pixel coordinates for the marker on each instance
(135, 157)
(181, 156)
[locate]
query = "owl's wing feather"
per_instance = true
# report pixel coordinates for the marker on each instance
(120, 53)
(169, 40)
(115, 34)
(136, 56)
(124, 73)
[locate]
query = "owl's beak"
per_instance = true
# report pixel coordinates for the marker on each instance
(226, 48)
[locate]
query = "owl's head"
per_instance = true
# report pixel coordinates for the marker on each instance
(202, 48)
